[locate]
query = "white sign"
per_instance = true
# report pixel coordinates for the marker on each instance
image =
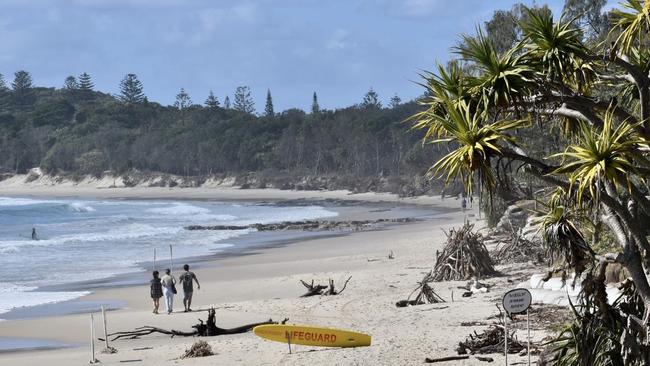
(517, 301)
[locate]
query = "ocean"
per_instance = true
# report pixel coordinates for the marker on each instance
(84, 240)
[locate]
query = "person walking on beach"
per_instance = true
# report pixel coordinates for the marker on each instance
(168, 289)
(187, 279)
(156, 291)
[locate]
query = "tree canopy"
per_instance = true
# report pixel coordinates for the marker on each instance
(371, 100)
(593, 104)
(268, 108)
(104, 134)
(211, 101)
(183, 100)
(243, 100)
(22, 88)
(131, 89)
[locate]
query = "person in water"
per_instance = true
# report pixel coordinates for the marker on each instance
(168, 289)
(187, 279)
(34, 236)
(156, 291)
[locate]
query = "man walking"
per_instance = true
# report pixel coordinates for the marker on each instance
(168, 290)
(187, 279)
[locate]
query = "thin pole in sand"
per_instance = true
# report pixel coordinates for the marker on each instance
(288, 335)
(505, 336)
(154, 259)
(92, 339)
(105, 330)
(171, 260)
(528, 329)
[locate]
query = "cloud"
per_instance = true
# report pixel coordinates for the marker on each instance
(421, 7)
(246, 12)
(340, 40)
(128, 3)
(210, 19)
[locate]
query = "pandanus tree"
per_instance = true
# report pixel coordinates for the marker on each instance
(599, 173)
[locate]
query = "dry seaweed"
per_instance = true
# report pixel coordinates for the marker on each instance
(489, 341)
(198, 349)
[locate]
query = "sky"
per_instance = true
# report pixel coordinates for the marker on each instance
(336, 48)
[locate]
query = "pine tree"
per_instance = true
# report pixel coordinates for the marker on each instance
(183, 100)
(131, 89)
(70, 84)
(315, 108)
(371, 100)
(3, 84)
(23, 88)
(85, 86)
(395, 101)
(226, 102)
(268, 109)
(85, 82)
(4, 93)
(243, 100)
(212, 101)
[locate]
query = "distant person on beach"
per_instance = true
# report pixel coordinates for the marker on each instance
(156, 291)
(463, 203)
(187, 279)
(34, 236)
(168, 289)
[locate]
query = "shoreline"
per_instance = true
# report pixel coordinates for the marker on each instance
(250, 243)
(251, 288)
(225, 193)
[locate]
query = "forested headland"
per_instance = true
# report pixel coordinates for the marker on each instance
(77, 131)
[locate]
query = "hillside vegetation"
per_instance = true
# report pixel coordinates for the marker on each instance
(72, 131)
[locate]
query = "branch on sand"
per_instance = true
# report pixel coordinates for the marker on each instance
(463, 257)
(313, 290)
(489, 341)
(207, 329)
(425, 294)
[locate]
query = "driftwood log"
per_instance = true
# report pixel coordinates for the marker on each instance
(445, 359)
(207, 329)
(318, 289)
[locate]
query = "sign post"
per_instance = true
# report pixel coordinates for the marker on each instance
(171, 259)
(505, 336)
(288, 335)
(92, 340)
(105, 330)
(528, 336)
(516, 301)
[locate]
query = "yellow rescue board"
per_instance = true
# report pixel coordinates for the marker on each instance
(312, 336)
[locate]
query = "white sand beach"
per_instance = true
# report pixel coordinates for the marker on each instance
(254, 288)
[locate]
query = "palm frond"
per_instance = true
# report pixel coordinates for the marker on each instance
(503, 79)
(552, 48)
(477, 141)
(633, 23)
(601, 155)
